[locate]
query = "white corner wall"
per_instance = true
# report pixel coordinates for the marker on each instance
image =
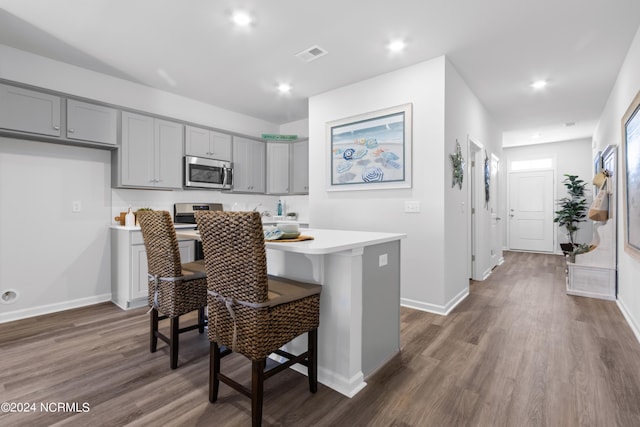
(609, 132)
(428, 281)
(434, 255)
(465, 117)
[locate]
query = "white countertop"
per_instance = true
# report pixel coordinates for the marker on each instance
(137, 228)
(324, 242)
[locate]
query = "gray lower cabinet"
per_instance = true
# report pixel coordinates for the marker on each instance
(29, 111)
(150, 154)
(249, 165)
(129, 280)
(91, 122)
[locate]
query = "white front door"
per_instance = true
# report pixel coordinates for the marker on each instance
(531, 211)
(494, 206)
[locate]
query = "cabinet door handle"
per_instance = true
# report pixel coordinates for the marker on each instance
(71, 130)
(56, 127)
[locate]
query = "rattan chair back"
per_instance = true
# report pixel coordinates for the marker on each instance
(161, 243)
(240, 314)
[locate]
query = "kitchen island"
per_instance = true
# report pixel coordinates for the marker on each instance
(360, 302)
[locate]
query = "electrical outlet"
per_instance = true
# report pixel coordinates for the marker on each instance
(412, 206)
(76, 206)
(383, 260)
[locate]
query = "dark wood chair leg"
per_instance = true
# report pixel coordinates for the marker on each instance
(173, 342)
(312, 371)
(214, 368)
(257, 389)
(153, 329)
(201, 320)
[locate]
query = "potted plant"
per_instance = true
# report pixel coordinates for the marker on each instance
(573, 210)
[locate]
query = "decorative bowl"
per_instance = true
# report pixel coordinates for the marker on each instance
(288, 227)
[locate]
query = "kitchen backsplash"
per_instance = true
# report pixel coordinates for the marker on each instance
(121, 199)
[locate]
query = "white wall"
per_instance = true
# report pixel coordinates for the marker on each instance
(52, 258)
(383, 210)
(71, 252)
(465, 117)
(569, 157)
(43, 72)
(609, 132)
(431, 277)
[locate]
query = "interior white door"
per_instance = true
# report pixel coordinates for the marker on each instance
(494, 206)
(531, 211)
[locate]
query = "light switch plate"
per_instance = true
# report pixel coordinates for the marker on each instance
(412, 206)
(76, 206)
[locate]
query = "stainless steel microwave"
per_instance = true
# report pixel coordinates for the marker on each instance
(200, 172)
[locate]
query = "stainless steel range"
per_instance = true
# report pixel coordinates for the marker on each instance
(185, 213)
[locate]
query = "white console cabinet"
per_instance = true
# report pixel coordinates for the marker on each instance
(129, 266)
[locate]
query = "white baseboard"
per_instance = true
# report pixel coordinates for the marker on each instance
(434, 308)
(635, 326)
(349, 387)
(52, 308)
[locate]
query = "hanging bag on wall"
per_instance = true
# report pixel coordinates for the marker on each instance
(599, 209)
(600, 179)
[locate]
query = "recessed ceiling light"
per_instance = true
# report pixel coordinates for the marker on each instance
(241, 18)
(396, 46)
(284, 88)
(539, 84)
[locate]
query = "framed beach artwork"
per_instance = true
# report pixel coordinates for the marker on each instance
(371, 151)
(631, 177)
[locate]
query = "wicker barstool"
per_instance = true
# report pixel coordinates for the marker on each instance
(174, 288)
(249, 312)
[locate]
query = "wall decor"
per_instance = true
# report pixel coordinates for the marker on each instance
(487, 178)
(631, 177)
(457, 165)
(371, 151)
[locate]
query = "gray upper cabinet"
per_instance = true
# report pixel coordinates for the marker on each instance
(278, 167)
(151, 153)
(29, 111)
(249, 165)
(288, 167)
(201, 142)
(91, 122)
(300, 167)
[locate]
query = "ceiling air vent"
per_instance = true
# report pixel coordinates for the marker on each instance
(310, 54)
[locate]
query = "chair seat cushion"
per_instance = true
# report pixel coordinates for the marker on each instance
(194, 270)
(283, 291)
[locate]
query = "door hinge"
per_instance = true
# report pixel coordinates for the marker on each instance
(473, 163)
(473, 257)
(473, 210)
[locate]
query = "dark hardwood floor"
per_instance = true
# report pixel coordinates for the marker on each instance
(518, 351)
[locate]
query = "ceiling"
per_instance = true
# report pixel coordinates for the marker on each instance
(192, 48)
